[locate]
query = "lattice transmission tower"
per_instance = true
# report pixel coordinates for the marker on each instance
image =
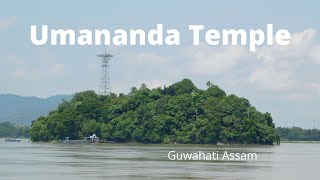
(105, 87)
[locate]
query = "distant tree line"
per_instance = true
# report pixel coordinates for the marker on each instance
(9, 130)
(298, 134)
(180, 113)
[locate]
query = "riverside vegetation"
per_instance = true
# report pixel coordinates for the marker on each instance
(11, 130)
(180, 113)
(298, 134)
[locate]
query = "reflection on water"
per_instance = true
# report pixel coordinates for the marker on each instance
(31, 161)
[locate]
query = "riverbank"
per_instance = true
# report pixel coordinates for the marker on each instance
(135, 142)
(22, 139)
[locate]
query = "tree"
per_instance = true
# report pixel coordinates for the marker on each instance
(143, 86)
(209, 84)
(133, 90)
(90, 127)
(8, 130)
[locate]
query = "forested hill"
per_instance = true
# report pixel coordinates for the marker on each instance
(22, 110)
(180, 113)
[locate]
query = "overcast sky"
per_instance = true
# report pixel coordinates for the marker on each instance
(281, 80)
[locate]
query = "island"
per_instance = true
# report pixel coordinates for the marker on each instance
(180, 113)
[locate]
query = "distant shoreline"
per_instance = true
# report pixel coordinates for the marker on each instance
(309, 142)
(22, 139)
(218, 144)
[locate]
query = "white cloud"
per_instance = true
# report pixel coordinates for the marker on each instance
(315, 54)
(210, 60)
(56, 69)
(275, 71)
(148, 64)
(6, 23)
(271, 79)
(153, 83)
(295, 52)
(149, 58)
(315, 87)
(304, 92)
(22, 71)
(279, 65)
(19, 73)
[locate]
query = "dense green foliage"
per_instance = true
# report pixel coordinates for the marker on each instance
(298, 134)
(180, 113)
(9, 130)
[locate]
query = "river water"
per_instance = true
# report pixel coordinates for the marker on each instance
(58, 161)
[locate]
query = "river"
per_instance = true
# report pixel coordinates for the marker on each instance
(58, 161)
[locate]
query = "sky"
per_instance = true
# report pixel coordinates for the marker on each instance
(282, 80)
